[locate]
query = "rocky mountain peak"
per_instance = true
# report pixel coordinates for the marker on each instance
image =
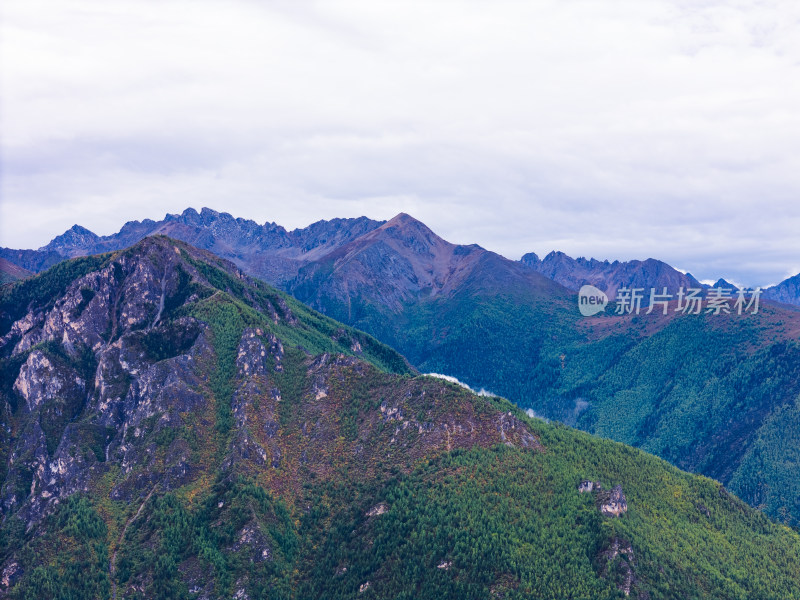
(722, 283)
(74, 236)
(609, 276)
(407, 224)
(402, 218)
(268, 251)
(413, 234)
(787, 291)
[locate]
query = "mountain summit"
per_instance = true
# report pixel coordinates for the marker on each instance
(74, 238)
(395, 263)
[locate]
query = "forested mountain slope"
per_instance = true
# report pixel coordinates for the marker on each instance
(174, 429)
(698, 390)
(709, 393)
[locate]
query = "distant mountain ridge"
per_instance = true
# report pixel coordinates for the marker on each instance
(277, 255)
(608, 276)
(509, 328)
(399, 262)
(787, 291)
(34, 261)
(267, 251)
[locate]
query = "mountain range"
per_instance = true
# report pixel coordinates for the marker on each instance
(267, 251)
(173, 428)
(715, 395)
(609, 276)
(274, 254)
(249, 245)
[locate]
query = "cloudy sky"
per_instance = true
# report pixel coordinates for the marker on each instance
(613, 129)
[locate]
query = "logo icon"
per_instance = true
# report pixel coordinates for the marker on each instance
(591, 300)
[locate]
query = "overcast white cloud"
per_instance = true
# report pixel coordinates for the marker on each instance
(608, 129)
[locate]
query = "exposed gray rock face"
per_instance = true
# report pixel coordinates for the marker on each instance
(53, 393)
(619, 564)
(40, 381)
(11, 574)
(612, 503)
(378, 510)
(509, 424)
(254, 541)
(89, 378)
(255, 401)
(160, 397)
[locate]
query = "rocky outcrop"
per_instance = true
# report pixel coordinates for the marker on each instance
(513, 431)
(254, 542)
(255, 401)
(101, 373)
(611, 503)
(619, 565)
(377, 510)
